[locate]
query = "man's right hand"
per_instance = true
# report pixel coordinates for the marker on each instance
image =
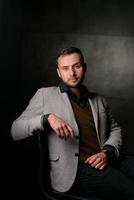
(61, 128)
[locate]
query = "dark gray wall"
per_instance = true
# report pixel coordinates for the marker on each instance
(103, 30)
(33, 32)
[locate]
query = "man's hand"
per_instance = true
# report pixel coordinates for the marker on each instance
(61, 128)
(98, 160)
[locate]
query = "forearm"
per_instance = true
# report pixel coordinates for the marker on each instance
(24, 127)
(30, 119)
(114, 138)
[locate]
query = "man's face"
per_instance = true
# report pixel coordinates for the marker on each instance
(70, 69)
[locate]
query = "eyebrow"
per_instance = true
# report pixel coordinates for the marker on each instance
(71, 65)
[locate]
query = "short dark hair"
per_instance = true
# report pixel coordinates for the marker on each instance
(70, 50)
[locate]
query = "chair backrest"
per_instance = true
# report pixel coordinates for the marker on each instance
(44, 174)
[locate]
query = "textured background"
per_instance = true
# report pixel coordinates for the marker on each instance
(32, 33)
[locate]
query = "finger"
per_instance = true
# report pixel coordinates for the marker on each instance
(92, 159)
(66, 132)
(102, 167)
(99, 165)
(62, 133)
(87, 160)
(96, 162)
(59, 132)
(102, 164)
(71, 131)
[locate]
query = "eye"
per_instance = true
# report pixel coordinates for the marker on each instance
(78, 65)
(65, 68)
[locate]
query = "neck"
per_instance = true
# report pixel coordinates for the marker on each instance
(75, 91)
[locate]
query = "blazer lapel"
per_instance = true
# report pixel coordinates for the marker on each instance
(94, 109)
(69, 110)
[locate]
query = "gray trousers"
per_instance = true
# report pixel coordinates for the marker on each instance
(114, 182)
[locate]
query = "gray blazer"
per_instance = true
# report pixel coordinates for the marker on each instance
(63, 159)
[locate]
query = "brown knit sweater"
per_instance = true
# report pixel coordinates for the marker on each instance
(89, 144)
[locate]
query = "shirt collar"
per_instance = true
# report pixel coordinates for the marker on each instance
(63, 87)
(84, 93)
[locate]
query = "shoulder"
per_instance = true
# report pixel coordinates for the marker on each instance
(47, 90)
(98, 97)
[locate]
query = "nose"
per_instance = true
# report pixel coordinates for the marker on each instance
(72, 71)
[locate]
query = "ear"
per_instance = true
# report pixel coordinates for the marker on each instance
(85, 67)
(58, 72)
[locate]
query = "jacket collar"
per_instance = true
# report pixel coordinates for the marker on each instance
(84, 94)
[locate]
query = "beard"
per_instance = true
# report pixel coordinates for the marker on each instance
(75, 85)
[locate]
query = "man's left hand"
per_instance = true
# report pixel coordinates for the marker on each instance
(98, 160)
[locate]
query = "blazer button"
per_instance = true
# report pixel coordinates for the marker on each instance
(77, 137)
(76, 154)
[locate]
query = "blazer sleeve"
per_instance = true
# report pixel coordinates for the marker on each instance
(30, 119)
(114, 138)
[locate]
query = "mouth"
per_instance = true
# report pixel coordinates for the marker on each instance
(73, 79)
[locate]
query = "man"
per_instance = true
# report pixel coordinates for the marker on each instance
(84, 140)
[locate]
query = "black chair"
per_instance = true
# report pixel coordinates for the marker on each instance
(44, 175)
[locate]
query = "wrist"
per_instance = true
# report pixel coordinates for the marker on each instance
(110, 151)
(44, 120)
(105, 153)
